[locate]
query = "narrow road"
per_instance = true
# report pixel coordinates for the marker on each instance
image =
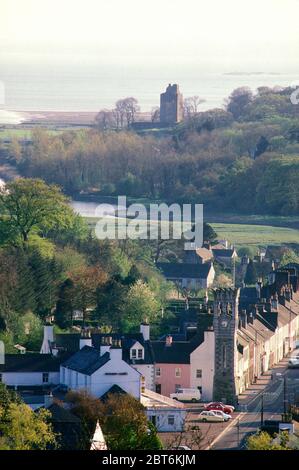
(284, 387)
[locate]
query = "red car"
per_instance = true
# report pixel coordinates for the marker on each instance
(219, 406)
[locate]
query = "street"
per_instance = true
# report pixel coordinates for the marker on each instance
(280, 392)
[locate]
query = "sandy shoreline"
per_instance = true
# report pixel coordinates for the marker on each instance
(15, 117)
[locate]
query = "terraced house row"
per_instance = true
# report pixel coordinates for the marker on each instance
(220, 348)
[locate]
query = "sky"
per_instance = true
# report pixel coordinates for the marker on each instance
(244, 34)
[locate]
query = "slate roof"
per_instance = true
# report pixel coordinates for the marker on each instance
(71, 342)
(30, 363)
(86, 361)
(223, 253)
(115, 389)
(184, 270)
(177, 353)
(61, 415)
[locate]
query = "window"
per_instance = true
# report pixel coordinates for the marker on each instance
(158, 372)
(178, 372)
(0, 377)
(198, 373)
(45, 377)
(171, 420)
(177, 388)
(133, 353)
(140, 353)
(85, 381)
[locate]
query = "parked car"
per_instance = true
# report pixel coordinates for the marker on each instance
(210, 417)
(186, 394)
(293, 363)
(220, 406)
(226, 416)
(183, 447)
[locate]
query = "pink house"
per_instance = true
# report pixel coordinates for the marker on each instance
(172, 367)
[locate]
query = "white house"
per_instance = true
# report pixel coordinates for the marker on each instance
(189, 275)
(29, 370)
(165, 413)
(97, 371)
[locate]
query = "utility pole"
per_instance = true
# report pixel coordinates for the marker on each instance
(285, 395)
(262, 409)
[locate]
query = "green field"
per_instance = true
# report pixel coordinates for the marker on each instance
(256, 235)
(237, 234)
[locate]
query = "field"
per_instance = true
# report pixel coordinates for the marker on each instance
(237, 234)
(256, 235)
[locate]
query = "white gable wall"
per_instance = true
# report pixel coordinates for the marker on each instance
(203, 358)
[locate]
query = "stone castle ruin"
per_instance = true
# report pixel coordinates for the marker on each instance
(171, 105)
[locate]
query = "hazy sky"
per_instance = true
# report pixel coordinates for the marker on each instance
(259, 34)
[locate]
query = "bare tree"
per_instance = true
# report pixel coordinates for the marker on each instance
(155, 114)
(191, 105)
(126, 110)
(105, 119)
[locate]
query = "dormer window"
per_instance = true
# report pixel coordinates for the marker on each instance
(137, 353)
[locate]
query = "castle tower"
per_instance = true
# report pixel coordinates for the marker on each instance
(225, 324)
(171, 105)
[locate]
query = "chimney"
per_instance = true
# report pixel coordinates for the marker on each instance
(48, 339)
(168, 341)
(105, 345)
(85, 339)
(116, 351)
(145, 331)
(288, 295)
(274, 302)
(258, 287)
(244, 318)
(268, 306)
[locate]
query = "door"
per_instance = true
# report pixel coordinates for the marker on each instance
(158, 388)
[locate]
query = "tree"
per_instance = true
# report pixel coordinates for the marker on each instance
(238, 100)
(251, 274)
(191, 105)
(140, 304)
(155, 114)
(65, 304)
(126, 110)
(29, 205)
(86, 280)
(263, 441)
(20, 427)
(209, 234)
(289, 257)
(121, 417)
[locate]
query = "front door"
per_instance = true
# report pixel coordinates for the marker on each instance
(158, 388)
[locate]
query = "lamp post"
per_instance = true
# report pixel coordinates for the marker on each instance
(262, 409)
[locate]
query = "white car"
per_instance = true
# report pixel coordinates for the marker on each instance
(186, 394)
(210, 417)
(293, 362)
(222, 414)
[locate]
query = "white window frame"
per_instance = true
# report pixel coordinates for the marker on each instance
(178, 372)
(158, 372)
(199, 373)
(44, 375)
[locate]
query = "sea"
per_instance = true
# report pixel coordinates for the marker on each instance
(92, 87)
